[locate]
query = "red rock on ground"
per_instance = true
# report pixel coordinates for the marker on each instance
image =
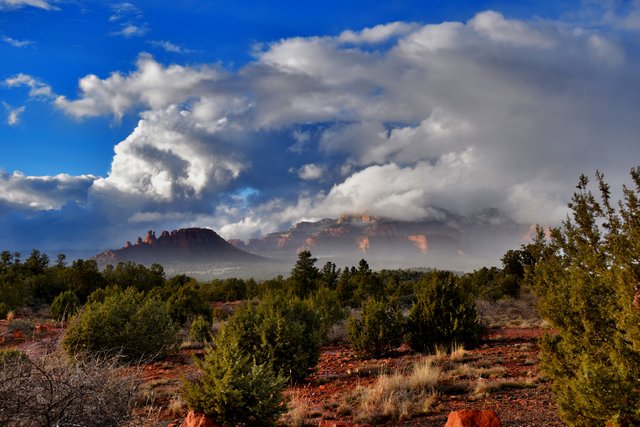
(325, 423)
(473, 418)
(197, 420)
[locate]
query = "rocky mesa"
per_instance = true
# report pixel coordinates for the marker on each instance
(178, 247)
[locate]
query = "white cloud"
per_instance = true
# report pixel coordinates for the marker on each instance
(124, 11)
(14, 42)
(311, 172)
(43, 192)
(454, 117)
(151, 85)
(131, 30)
(13, 114)
(169, 158)
(497, 28)
(17, 4)
(377, 34)
(36, 87)
(169, 46)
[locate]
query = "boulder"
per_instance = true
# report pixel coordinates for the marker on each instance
(197, 420)
(473, 418)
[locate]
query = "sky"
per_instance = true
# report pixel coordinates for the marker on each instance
(249, 116)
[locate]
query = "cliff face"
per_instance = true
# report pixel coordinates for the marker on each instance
(447, 242)
(183, 246)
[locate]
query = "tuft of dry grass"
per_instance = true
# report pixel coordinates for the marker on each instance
(458, 353)
(397, 396)
(297, 414)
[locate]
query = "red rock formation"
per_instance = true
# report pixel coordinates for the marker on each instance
(197, 420)
(473, 418)
(420, 240)
(363, 244)
(180, 246)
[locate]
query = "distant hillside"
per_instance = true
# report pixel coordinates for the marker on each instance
(186, 246)
(450, 241)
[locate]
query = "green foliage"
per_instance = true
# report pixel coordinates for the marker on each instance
(186, 303)
(230, 289)
(132, 275)
(443, 314)
(283, 332)
(4, 310)
(378, 330)
(586, 277)
(200, 330)
(124, 324)
(304, 275)
(233, 389)
(65, 305)
(327, 305)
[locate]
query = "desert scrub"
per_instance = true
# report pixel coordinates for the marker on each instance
(124, 323)
(378, 330)
(51, 391)
(200, 330)
(443, 314)
(233, 389)
(64, 305)
(282, 332)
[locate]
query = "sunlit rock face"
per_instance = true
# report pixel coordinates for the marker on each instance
(452, 242)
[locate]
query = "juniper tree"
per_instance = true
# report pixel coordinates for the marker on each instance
(587, 279)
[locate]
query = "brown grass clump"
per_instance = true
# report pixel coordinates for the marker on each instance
(397, 396)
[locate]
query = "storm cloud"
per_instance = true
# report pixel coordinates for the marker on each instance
(401, 120)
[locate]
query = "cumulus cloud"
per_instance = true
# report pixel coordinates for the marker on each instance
(438, 119)
(170, 157)
(150, 86)
(18, 4)
(43, 192)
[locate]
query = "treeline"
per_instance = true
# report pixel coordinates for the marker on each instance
(272, 339)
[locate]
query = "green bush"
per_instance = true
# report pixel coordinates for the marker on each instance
(443, 314)
(586, 277)
(125, 324)
(200, 330)
(327, 305)
(64, 305)
(233, 389)
(283, 332)
(378, 330)
(186, 303)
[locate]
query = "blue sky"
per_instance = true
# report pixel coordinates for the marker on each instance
(247, 116)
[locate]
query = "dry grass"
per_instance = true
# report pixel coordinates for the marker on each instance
(397, 396)
(458, 353)
(485, 387)
(510, 313)
(466, 371)
(297, 414)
